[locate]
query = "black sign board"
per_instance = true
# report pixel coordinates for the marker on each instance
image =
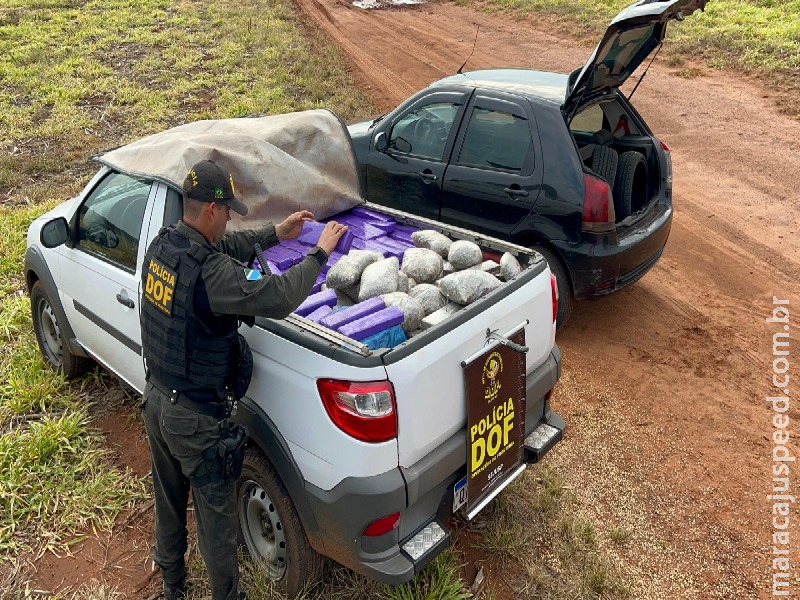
(495, 387)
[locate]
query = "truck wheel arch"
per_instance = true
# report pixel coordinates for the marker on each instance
(36, 269)
(265, 435)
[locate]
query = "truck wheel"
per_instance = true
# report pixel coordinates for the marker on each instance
(271, 530)
(48, 334)
(564, 285)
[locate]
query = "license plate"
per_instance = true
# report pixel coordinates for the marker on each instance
(460, 493)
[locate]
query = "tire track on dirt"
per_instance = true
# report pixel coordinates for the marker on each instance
(382, 78)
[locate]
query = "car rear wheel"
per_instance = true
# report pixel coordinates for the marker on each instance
(564, 286)
(48, 334)
(271, 530)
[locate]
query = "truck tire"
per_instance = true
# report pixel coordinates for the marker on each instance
(270, 529)
(630, 188)
(48, 335)
(565, 296)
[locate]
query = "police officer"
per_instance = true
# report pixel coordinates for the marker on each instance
(195, 292)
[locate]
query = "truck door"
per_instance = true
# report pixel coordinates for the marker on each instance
(101, 273)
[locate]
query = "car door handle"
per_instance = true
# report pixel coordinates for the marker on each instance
(428, 175)
(515, 190)
(126, 301)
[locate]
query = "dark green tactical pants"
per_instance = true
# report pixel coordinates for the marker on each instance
(177, 438)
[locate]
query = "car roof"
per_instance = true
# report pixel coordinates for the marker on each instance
(543, 85)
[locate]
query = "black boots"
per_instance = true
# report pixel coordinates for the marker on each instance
(176, 591)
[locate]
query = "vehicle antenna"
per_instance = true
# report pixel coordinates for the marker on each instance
(645, 71)
(477, 29)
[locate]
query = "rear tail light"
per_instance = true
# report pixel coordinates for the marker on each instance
(382, 525)
(554, 291)
(364, 410)
(598, 210)
(668, 156)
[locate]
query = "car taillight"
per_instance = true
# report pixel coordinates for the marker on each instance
(598, 210)
(364, 410)
(668, 174)
(383, 525)
(554, 292)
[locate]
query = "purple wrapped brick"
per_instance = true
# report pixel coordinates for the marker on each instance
(402, 236)
(311, 230)
(371, 215)
(318, 314)
(363, 229)
(385, 247)
(384, 226)
(282, 257)
(297, 246)
(373, 323)
(318, 284)
(337, 319)
(314, 301)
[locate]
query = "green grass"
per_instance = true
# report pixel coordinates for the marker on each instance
(81, 76)
(56, 485)
(547, 551)
(760, 33)
(754, 36)
(440, 580)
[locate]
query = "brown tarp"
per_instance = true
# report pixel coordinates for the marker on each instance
(280, 164)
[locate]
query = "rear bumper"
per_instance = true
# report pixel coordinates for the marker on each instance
(421, 493)
(605, 265)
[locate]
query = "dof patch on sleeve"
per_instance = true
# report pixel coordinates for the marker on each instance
(159, 287)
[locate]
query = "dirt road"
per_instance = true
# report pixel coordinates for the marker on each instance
(665, 383)
(669, 435)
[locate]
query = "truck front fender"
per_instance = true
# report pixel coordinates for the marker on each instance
(36, 269)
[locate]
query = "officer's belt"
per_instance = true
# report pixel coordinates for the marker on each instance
(217, 410)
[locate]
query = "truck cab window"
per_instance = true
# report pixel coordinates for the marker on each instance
(110, 220)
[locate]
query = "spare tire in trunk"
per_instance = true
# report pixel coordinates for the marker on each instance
(630, 187)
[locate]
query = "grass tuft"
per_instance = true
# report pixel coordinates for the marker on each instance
(57, 483)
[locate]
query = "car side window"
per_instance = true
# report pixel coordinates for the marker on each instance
(590, 120)
(424, 131)
(110, 220)
(495, 140)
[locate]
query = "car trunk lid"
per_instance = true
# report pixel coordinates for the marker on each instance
(631, 36)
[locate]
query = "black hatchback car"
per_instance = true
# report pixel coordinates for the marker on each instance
(561, 163)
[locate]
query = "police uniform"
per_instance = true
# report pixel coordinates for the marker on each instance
(194, 294)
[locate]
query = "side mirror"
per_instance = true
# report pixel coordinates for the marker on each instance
(381, 143)
(54, 233)
(402, 145)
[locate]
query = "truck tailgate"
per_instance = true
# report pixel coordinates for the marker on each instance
(429, 382)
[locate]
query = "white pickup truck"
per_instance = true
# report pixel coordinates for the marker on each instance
(355, 454)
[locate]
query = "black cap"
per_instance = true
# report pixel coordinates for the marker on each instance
(207, 182)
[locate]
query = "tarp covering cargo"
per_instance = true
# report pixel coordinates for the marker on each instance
(280, 163)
